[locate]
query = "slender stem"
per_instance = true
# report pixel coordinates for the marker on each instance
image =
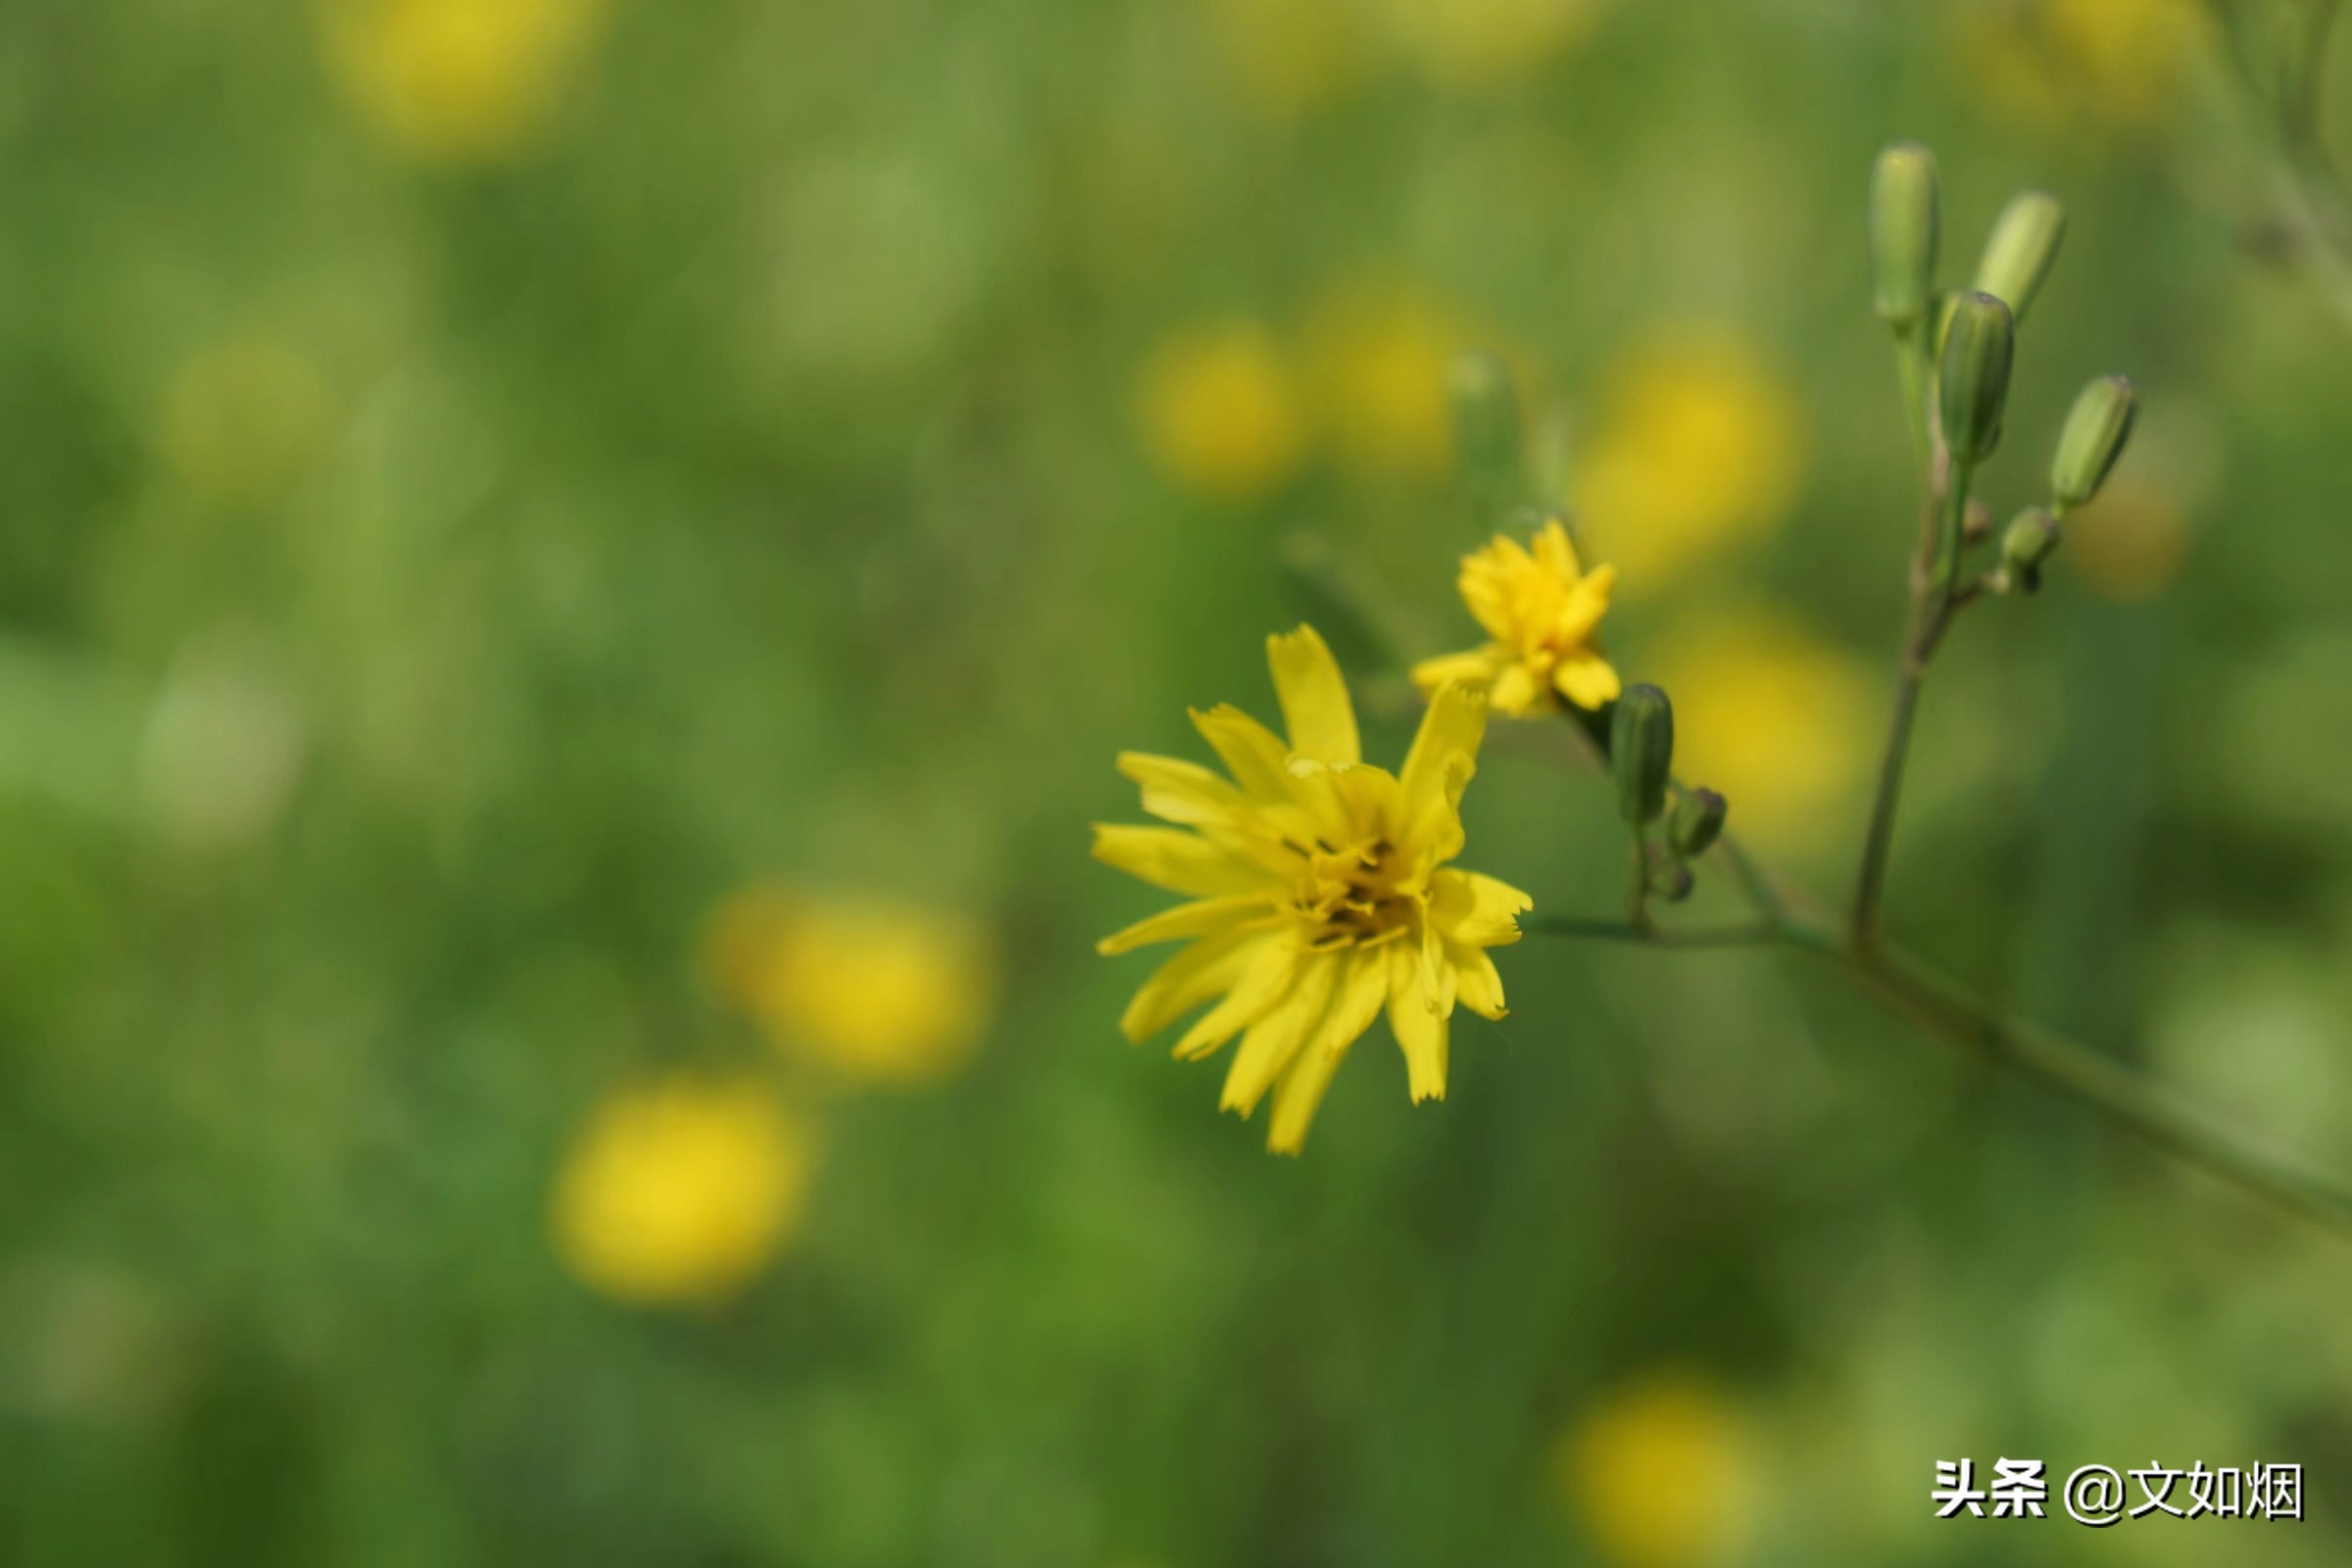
(1911, 369)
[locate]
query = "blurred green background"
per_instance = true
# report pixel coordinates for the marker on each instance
(571, 576)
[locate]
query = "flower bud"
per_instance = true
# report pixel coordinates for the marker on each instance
(1976, 376)
(1486, 419)
(2032, 534)
(1697, 821)
(1642, 752)
(1902, 232)
(2093, 438)
(2024, 243)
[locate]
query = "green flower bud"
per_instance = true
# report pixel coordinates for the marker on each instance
(1486, 419)
(1697, 821)
(2093, 438)
(2032, 534)
(2024, 243)
(1976, 376)
(1642, 752)
(1902, 232)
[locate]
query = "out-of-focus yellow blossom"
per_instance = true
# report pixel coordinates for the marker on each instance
(1544, 613)
(1662, 1474)
(241, 417)
(1381, 358)
(1291, 57)
(2051, 65)
(680, 1190)
(1778, 719)
(872, 987)
(1320, 892)
(1472, 44)
(1221, 412)
(1701, 444)
(459, 81)
(2128, 545)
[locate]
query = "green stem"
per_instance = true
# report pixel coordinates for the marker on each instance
(1911, 369)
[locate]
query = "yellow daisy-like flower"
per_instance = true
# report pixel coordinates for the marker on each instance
(1544, 611)
(1320, 892)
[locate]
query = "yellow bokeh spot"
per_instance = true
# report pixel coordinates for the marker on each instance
(459, 81)
(680, 1190)
(2129, 545)
(1381, 358)
(1221, 412)
(2053, 65)
(1782, 722)
(1701, 445)
(1662, 1474)
(241, 417)
(1291, 57)
(1473, 44)
(869, 987)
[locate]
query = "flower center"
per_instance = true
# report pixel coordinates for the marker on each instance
(1347, 896)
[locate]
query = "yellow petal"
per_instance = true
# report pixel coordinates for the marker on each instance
(1476, 909)
(1252, 753)
(1582, 610)
(1486, 582)
(1265, 979)
(1362, 986)
(1173, 859)
(1587, 679)
(1177, 791)
(1421, 1030)
(1314, 697)
(1554, 551)
(1209, 967)
(1479, 985)
(1515, 691)
(1474, 667)
(1276, 1038)
(1438, 769)
(1197, 919)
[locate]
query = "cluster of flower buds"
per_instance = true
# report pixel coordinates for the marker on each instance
(1968, 337)
(1642, 760)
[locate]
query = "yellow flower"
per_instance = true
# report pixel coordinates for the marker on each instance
(1381, 356)
(1700, 445)
(1778, 719)
(1221, 412)
(872, 987)
(1544, 611)
(680, 1190)
(459, 80)
(1320, 892)
(1662, 1474)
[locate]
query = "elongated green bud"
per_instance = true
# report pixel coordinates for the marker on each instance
(2032, 534)
(2024, 243)
(1642, 752)
(1975, 387)
(1697, 823)
(2093, 438)
(1486, 420)
(1902, 232)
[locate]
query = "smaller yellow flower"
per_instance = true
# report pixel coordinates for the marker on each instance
(1661, 1473)
(1221, 412)
(870, 987)
(680, 1190)
(1544, 611)
(459, 81)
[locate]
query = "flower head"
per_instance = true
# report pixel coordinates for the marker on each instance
(1319, 890)
(1661, 1472)
(1544, 611)
(680, 1190)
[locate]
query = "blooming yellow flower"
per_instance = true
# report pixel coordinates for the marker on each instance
(459, 80)
(1661, 1473)
(1320, 892)
(870, 987)
(1700, 445)
(1544, 611)
(1774, 715)
(680, 1190)
(1221, 412)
